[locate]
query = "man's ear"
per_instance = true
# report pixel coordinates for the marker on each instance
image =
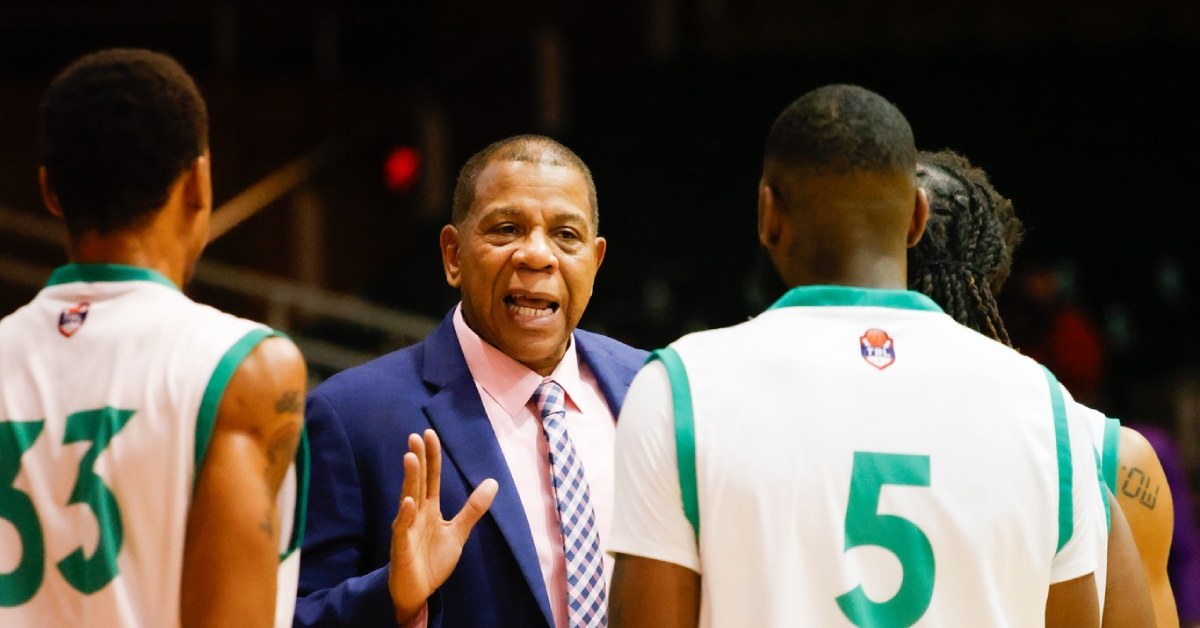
(197, 185)
(49, 198)
(601, 249)
(770, 215)
(920, 216)
(450, 244)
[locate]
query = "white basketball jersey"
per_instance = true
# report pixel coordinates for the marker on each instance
(859, 459)
(110, 381)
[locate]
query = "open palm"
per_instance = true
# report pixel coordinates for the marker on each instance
(425, 547)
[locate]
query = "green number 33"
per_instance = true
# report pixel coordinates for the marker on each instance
(865, 526)
(86, 574)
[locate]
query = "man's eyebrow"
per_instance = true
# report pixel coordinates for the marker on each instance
(500, 211)
(570, 216)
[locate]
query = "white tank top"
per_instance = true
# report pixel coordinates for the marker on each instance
(859, 459)
(110, 380)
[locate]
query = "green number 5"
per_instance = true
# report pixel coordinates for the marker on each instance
(85, 574)
(865, 526)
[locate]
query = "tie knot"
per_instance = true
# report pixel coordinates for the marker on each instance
(550, 399)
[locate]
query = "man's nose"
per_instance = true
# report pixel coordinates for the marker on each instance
(536, 252)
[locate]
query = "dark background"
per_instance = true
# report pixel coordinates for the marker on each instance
(1084, 113)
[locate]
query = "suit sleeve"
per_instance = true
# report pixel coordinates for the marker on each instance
(332, 592)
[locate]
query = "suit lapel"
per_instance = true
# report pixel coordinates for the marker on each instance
(612, 374)
(470, 444)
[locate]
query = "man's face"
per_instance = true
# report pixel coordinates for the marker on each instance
(525, 259)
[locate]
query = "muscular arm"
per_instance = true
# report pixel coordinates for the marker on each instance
(231, 555)
(1126, 594)
(648, 592)
(1145, 500)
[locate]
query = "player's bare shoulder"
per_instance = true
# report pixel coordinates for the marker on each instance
(266, 393)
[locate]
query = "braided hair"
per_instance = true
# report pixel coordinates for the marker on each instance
(966, 253)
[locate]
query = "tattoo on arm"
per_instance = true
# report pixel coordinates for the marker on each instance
(266, 525)
(1137, 486)
(290, 402)
(281, 450)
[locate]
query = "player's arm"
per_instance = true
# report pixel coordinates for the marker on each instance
(1072, 604)
(1127, 593)
(648, 592)
(1145, 500)
(231, 556)
(653, 593)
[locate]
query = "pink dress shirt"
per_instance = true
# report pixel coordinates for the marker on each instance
(506, 386)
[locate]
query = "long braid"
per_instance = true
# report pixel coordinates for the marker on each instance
(966, 253)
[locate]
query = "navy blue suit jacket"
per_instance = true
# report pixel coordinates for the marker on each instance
(358, 424)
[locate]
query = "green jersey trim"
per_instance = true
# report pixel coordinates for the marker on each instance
(301, 514)
(1062, 438)
(842, 296)
(1112, 442)
(685, 433)
(207, 416)
(92, 273)
(1104, 492)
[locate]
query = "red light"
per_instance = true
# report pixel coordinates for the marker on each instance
(401, 168)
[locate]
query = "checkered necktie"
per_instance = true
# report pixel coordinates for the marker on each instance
(581, 539)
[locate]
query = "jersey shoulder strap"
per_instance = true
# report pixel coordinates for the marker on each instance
(1062, 438)
(1112, 442)
(685, 433)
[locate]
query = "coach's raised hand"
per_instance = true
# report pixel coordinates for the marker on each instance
(425, 547)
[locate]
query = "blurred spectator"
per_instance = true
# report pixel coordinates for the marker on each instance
(1047, 325)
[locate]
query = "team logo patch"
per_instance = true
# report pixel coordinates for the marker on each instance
(71, 319)
(877, 348)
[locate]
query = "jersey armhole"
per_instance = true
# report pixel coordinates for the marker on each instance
(1062, 439)
(1112, 442)
(685, 433)
(206, 418)
(300, 516)
(1104, 493)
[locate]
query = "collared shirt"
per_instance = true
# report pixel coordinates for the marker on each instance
(506, 388)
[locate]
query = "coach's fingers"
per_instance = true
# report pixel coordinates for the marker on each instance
(412, 469)
(401, 551)
(433, 478)
(416, 445)
(477, 504)
(405, 518)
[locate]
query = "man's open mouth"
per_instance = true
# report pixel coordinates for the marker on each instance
(527, 305)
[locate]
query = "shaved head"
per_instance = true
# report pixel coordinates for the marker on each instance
(839, 168)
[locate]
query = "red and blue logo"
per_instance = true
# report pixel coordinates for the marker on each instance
(71, 319)
(877, 348)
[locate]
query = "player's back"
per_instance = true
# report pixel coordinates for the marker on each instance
(109, 385)
(878, 466)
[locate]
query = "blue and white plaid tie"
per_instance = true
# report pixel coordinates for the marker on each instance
(581, 539)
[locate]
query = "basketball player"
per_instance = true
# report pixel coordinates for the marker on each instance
(962, 262)
(852, 456)
(146, 441)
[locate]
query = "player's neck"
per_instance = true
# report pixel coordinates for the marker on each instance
(867, 271)
(133, 247)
